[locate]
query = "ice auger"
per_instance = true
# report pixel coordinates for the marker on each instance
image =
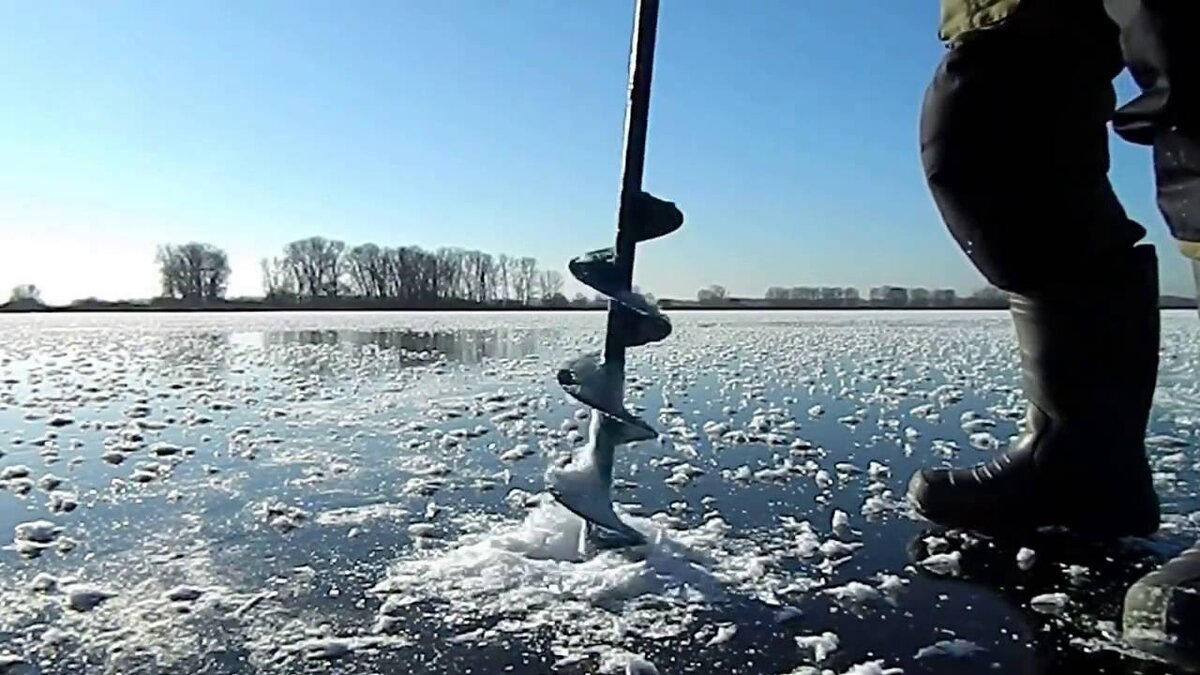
(585, 485)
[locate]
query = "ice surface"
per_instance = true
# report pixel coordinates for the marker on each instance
(333, 433)
(873, 668)
(184, 594)
(11, 664)
(360, 515)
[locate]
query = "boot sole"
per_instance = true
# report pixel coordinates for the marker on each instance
(1106, 528)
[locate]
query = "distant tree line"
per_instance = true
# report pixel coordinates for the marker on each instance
(800, 297)
(317, 270)
(325, 268)
(324, 273)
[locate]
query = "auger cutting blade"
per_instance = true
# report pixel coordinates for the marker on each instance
(597, 269)
(596, 508)
(654, 217)
(640, 322)
(587, 381)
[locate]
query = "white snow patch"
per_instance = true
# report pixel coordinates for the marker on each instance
(820, 646)
(1050, 603)
(360, 515)
(956, 649)
(37, 531)
(944, 564)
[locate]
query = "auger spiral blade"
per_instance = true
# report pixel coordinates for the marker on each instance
(585, 485)
(640, 322)
(586, 379)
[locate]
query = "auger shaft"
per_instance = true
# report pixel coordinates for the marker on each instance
(637, 121)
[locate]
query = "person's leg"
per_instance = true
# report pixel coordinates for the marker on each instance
(1015, 146)
(1014, 141)
(1162, 611)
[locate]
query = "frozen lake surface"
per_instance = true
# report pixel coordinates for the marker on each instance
(363, 493)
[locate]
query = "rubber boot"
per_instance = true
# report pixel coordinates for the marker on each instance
(1089, 363)
(1162, 612)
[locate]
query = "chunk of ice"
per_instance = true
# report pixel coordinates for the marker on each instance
(85, 598)
(821, 646)
(943, 564)
(956, 649)
(37, 531)
(1050, 603)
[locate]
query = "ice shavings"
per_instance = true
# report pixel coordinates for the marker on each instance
(539, 568)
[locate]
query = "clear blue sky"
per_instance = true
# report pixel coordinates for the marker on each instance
(786, 130)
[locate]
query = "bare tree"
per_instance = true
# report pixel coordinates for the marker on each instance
(416, 274)
(449, 273)
(473, 277)
(276, 279)
(945, 297)
(405, 274)
(315, 265)
(503, 275)
(365, 269)
(26, 294)
(714, 293)
(524, 279)
(919, 297)
(550, 283)
(193, 271)
(486, 273)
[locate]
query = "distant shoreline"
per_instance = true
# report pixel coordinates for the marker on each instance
(672, 306)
